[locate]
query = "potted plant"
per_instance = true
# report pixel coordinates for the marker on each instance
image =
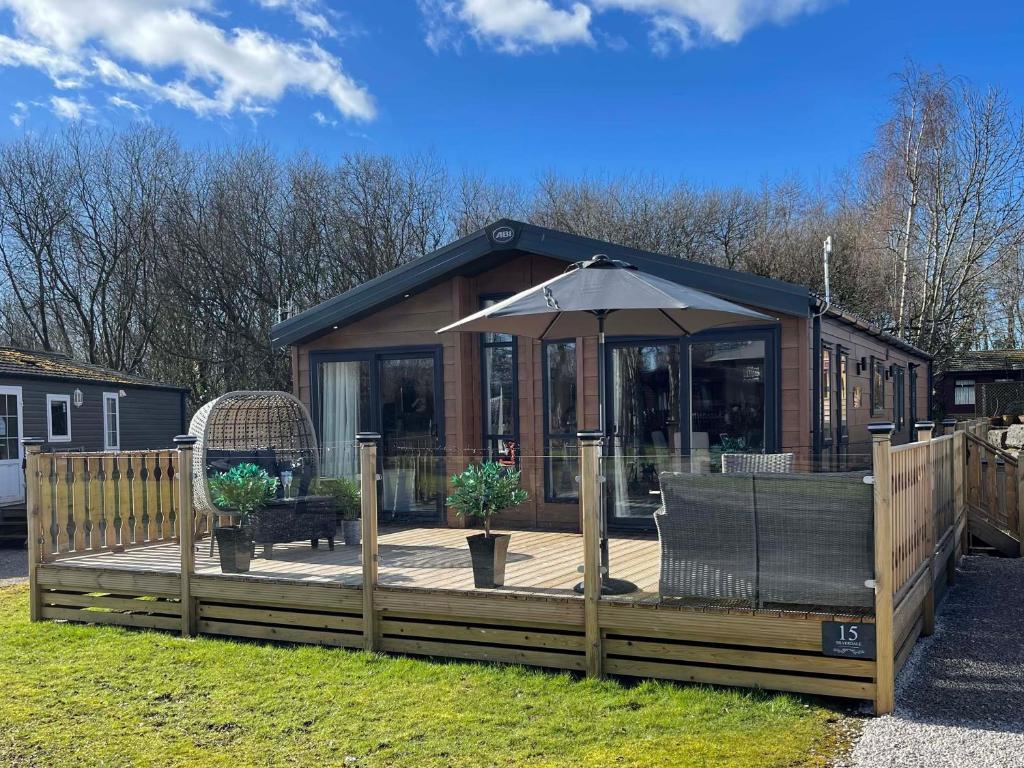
(243, 490)
(346, 495)
(482, 491)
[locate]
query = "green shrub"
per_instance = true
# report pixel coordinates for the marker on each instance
(484, 490)
(345, 492)
(244, 489)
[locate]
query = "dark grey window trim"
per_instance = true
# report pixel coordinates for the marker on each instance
(549, 497)
(513, 435)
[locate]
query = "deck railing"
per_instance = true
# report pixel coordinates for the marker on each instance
(80, 504)
(97, 502)
(993, 484)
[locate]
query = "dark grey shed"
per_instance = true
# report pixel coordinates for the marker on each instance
(105, 409)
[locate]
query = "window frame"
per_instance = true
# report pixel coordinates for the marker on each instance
(877, 398)
(843, 396)
(50, 437)
(549, 497)
(963, 383)
(828, 401)
(488, 439)
(899, 401)
(116, 398)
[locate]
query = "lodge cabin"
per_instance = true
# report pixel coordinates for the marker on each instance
(809, 382)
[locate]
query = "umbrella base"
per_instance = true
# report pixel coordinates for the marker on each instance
(611, 587)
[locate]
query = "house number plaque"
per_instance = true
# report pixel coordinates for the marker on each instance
(851, 640)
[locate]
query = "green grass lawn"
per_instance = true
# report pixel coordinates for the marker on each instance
(101, 696)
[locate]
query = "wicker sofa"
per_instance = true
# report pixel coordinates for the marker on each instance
(767, 538)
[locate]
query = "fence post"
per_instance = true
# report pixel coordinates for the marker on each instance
(590, 506)
(953, 427)
(368, 514)
(186, 532)
(925, 430)
(881, 462)
(33, 447)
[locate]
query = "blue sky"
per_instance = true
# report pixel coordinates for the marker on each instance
(724, 93)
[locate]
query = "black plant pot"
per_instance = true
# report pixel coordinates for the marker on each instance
(235, 546)
(351, 531)
(488, 554)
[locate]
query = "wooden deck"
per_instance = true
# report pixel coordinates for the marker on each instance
(539, 562)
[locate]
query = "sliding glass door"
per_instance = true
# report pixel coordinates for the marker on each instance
(677, 405)
(394, 392)
(642, 417)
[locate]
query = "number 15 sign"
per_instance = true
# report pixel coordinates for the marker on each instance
(852, 640)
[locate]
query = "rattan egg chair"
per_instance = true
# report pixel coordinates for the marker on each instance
(274, 431)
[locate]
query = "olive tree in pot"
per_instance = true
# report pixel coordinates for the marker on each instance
(482, 491)
(346, 495)
(242, 490)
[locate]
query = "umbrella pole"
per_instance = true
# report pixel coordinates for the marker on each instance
(609, 586)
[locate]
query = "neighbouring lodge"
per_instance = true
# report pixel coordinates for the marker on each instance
(808, 382)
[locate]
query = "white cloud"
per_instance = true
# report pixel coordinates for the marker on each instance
(518, 25)
(68, 109)
(19, 114)
(131, 44)
(307, 13)
(123, 103)
(324, 120)
(514, 25)
(694, 21)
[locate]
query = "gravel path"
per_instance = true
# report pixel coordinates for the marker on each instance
(960, 697)
(13, 566)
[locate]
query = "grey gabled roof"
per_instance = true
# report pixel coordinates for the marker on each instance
(487, 246)
(38, 364)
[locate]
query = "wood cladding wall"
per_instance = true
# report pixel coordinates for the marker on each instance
(859, 345)
(413, 321)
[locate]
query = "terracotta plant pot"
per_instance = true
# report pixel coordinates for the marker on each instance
(351, 530)
(489, 554)
(1021, 418)
(235, 547)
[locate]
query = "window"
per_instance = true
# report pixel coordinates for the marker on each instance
(111, 421)
(58, 418)
(963, 392)
(841, 384)
(826, 396)
(727, 383)
(877, 386)
(898, 415)
(560, 425)
(499, 391)
(913, 392)
(10, 425)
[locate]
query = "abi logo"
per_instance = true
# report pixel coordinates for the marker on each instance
(504, 234)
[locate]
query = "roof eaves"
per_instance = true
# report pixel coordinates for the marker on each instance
(362, 298)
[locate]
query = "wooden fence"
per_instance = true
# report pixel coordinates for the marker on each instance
(84, 503)
(96, 502)
(920, 519)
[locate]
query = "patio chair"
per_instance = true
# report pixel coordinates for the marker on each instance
(815, 543)
(708, 537)
(757, 462)
(272, 430)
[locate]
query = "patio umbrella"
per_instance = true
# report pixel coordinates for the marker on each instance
(599, 296)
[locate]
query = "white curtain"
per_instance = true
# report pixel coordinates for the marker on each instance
(339, 406)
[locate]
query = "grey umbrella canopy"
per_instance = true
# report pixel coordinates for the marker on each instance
(604, 295)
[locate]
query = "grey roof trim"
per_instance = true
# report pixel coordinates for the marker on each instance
(36, 376)
(762, 292)
(852, 320)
